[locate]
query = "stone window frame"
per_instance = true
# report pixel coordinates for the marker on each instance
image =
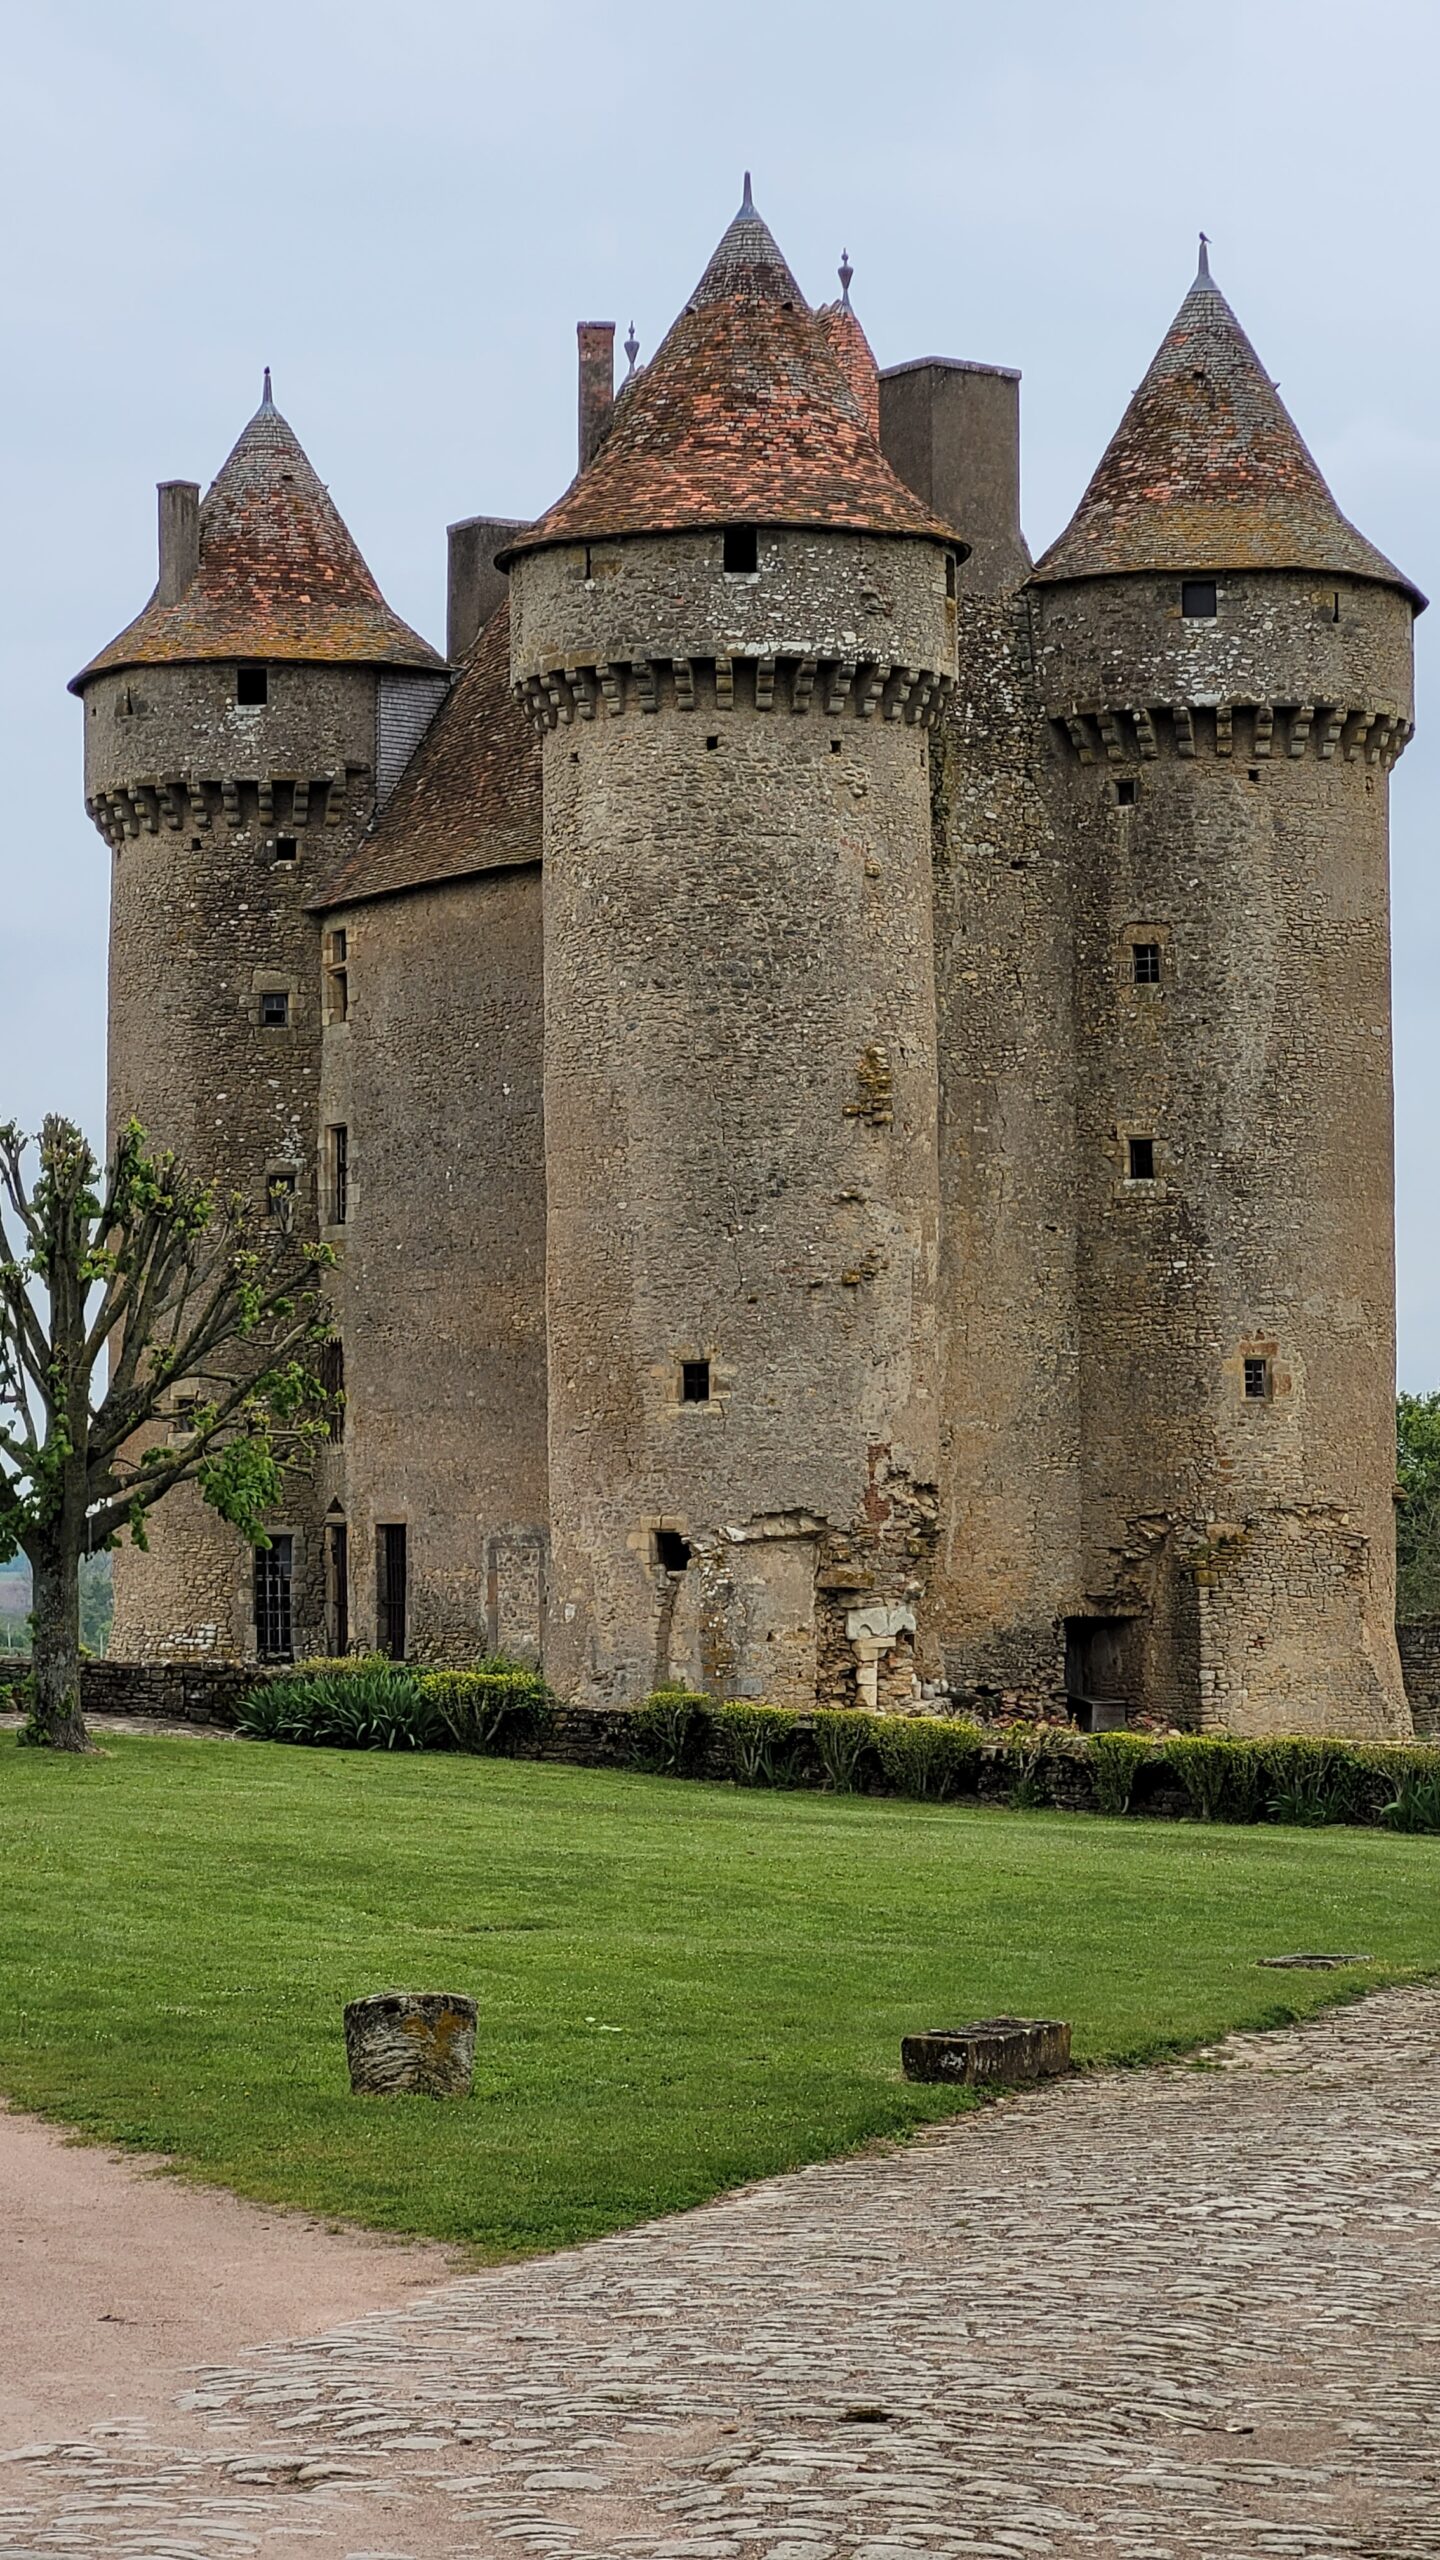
(1126, 1188)
(292, 1179)
(721, 1381)
(274, 982)
(335, 974)
(1257, 1346)
(1145, 930)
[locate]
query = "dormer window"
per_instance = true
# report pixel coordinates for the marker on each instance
(252, 685)
(741, 551)
(1198, 600)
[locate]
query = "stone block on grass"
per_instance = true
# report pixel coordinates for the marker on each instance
(411, 2040)
(994, 2053)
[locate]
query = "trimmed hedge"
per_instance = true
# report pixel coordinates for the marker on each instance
(367, 1703)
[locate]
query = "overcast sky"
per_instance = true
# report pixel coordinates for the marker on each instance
(405, 211)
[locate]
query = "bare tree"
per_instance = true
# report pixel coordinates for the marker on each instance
(129, 1300)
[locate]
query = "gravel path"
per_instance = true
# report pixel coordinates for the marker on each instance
(1132, 2317)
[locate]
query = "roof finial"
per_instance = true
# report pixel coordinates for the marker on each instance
(747, 202)
(846, 273)
(632, 348)
(1204, 269)
(266, 402)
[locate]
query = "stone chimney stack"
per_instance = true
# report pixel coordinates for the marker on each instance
(179, 538)
(597, 383)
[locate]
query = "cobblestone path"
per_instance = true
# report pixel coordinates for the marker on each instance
(1141, 2315)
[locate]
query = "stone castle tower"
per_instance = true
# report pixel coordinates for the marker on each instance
(848, 1076)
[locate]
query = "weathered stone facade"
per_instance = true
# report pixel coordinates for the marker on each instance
(849, 1076)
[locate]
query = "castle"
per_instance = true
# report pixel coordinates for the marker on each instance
(847, 1072)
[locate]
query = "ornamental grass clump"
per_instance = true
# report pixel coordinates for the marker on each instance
(757, 1744)
(1116, 1761)
(844, 1741)
(367, 1705)
(500, 1708)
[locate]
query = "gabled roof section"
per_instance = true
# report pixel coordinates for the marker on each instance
(469, 799)
(279, 577)
(1207, 470)
(743, 416)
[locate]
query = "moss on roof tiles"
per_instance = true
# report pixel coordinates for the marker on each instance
(279, 578)
(1207, 470)
(744, 416)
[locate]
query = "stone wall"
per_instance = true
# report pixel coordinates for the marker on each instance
(1420, 1662)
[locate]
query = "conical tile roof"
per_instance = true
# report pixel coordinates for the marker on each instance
(280, 576)
(744, 416)
(1207, 470)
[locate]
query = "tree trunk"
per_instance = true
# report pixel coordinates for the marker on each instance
(55, 1718)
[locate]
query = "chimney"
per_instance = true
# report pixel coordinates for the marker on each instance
(597, 383)
(474, 586)
(179, 538)
(951, 432)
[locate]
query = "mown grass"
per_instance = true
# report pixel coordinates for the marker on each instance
(680, 1986)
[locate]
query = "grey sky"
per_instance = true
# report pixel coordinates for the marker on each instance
(405, 213)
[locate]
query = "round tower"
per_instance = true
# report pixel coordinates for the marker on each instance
(235, 737)
(1226, 666)
(733, 632)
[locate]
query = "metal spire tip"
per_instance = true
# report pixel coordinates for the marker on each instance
(845, 272)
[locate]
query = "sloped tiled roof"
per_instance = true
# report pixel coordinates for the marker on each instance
(280, 576)
(469, 799)
(743, 416)
(853, 353)
(1207, 470)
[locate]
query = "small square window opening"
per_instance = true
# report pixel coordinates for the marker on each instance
(1198, 600)
(1141, 1156)
(1257, 1381)
(286, 849)
(672, 1552)
(280, 1198)
(741, 550)
(1253, 773)
(1145, 961)
(1125, 791)
(694, 1381)
(274, 1009)
(252, 684)
(712, 744)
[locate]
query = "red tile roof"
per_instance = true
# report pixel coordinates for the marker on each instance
(852, 352)
(469, 800)
(279, 576)
(1207, 470)
(744, 416)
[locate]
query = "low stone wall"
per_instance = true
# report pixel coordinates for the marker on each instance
(1420, 1663)
(171, 1692)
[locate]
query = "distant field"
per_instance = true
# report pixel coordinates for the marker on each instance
(681, 1987)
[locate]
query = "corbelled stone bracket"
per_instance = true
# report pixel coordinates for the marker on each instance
(996, 2053)
(844, 686)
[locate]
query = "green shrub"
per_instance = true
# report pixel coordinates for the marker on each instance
(499, 1707)
(1022, 1757)
(668, 1730)
(844, 1740)
(1308, 1780)
(1409, 1789)
(928, 1756)
(756, 1742)
(367, 1706)
(1224, 1779)
(1115, 1761)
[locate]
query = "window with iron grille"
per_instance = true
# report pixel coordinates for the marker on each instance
(275, 1009)
(274, 1623)
(694, 1381)
(337, 1174)
(391, 1575)
(1257, 1381)
(1145, 961)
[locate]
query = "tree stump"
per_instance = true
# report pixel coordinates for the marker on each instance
(994, 2052)
(398, 2040)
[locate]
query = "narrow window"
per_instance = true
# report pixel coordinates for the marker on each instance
(391, 1567)
(1142, 1159)
(589, 568)
(949, 573)
(1335, 607)
(287, 848)
(275, 1009)
(694, 1381)
(274, 1626)
(1125, 792)
(252, 684)
(337, 1586)
(182, 1416)
(1198, 601)
(280, 1197)
(1257, 1381)
(1145, 961)
(331, 1367)
(741, 550)
(337, 977)
(672, 1552)
(337, 1174)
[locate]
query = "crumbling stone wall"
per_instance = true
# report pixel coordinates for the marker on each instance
(1420, 1661)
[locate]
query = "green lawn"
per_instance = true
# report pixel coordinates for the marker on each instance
(680, 1986)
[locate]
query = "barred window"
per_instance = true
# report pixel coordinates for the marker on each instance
(274, 1623)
